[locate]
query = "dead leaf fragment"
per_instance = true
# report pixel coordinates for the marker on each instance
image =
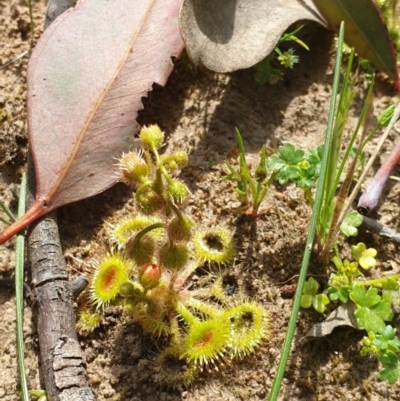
(341, 316)
(227, 35)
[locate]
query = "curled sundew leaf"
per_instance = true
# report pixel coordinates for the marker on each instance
(365, 30)
(86, 78)
(227, 35)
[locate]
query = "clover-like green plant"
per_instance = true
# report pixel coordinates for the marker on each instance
(310, 296)
(373, 300)
(294, 165)
(350, 224)
(147, 273)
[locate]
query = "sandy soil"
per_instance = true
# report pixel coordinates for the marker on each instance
(199, 113)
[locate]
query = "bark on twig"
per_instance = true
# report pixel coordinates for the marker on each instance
(380, 229)
(61, 358)
(62, 365)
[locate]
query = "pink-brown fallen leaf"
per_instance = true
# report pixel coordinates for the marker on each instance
(86, 78)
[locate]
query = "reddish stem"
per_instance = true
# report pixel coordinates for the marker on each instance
(34, 212)
(370, 198)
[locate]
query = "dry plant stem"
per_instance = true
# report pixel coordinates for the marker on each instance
(62, 366)
(370, 198)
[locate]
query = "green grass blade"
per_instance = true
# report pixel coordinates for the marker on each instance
(19, 293)
(311, 231)
(346, 97)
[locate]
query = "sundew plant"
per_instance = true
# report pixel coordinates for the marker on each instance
(147, 272)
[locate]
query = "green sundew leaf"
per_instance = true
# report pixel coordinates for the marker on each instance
(391, 371)
(365, 31)
(350, 223)
(319, 302)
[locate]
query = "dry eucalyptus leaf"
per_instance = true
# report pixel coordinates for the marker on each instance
(227, 35)
(86, 79)
(341, 316)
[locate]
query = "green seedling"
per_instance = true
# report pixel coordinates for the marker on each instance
(326, 220)
(303, 169)
(251, 187)
(286, 58)
(373, 299)
(156, 250)
(295, 165)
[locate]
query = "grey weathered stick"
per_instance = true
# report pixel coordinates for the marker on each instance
(62, 365)
(380, 229)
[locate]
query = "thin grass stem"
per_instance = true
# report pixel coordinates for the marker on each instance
(312, 229)
(19, 293)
